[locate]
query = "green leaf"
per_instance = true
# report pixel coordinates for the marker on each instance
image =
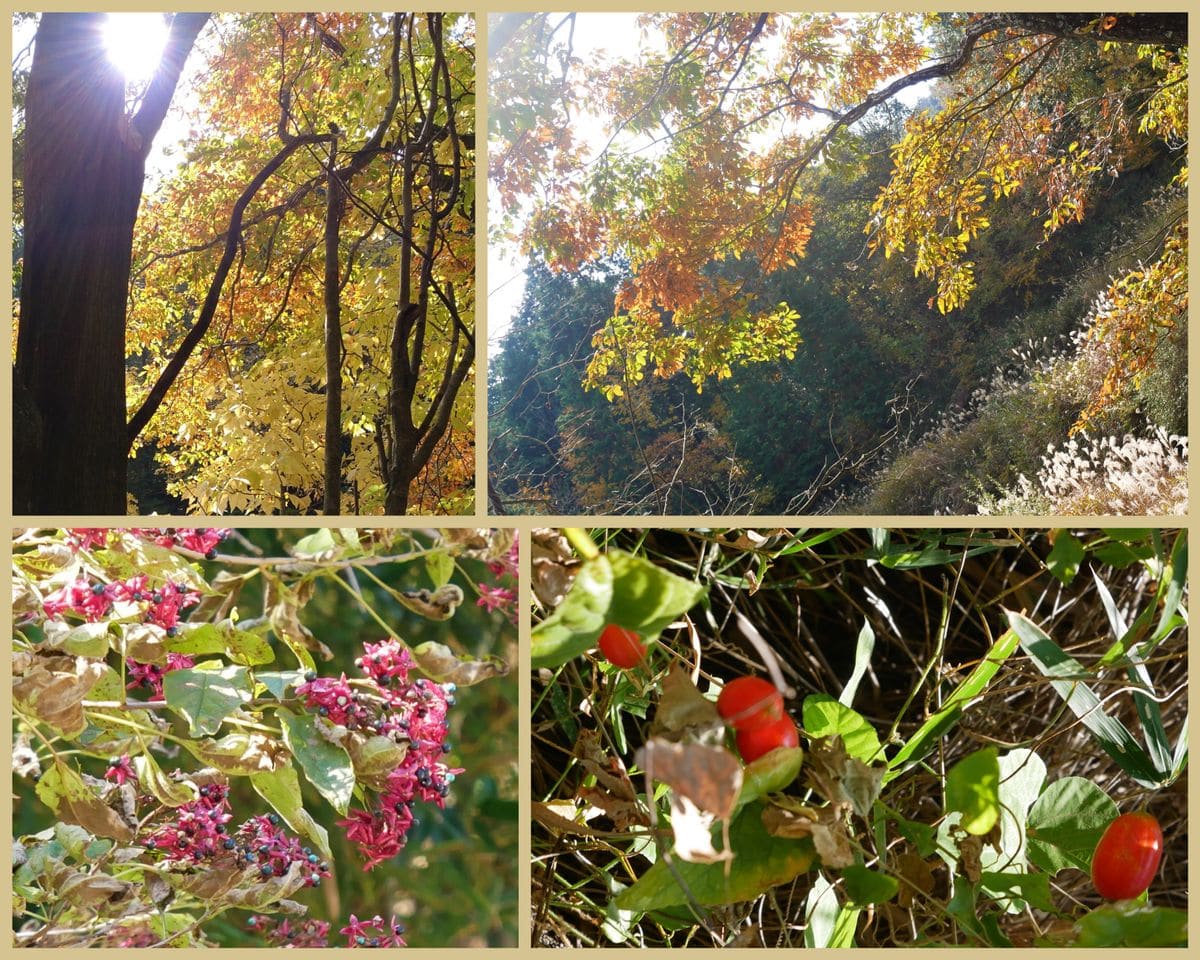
(769, 774)
(615, 587)
(865, 887)
(574, 626)
(823, 716)
(1065, 558)
(936, 726)
(206, 694)
(326, 764)
(921, 835)
(1010, 886)
(86, 640)
(439, 565)
(241, 646)
(1132, 924)
(168, 792)
(760, 862)
(1022, 774)
(281, 789)
(828, 923)
(1066, 822)
(277, 681)
(1112, 735)
(862, 660)
(973, 789)
(315, 544)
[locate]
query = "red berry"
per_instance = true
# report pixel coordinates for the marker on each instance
(1127, 856)
(748, 703)
(760, 741)
(621, 647)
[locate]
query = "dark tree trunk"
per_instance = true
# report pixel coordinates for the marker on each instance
(83, 182)
(84, 166)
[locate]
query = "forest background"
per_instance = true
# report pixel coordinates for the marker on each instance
(972, 300)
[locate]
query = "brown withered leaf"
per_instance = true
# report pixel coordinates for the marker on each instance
(256, 896)
(825, 825)
(145, 642)
(555, 822)
(623, 812)
(915, 875)
(25, 599)
(970, 849)
(684, 711)
(98, 892)
(53, 687)
(221, 597)
(614, 793)
(438, 662)
(842, 779)
(789, 823)
(710, 777)
(608, 770)
(704, 783)
(242, 753)
(208, 883)
(64, 791)
(553, 564)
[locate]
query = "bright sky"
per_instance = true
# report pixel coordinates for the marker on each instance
(594, 32)
(135, 42)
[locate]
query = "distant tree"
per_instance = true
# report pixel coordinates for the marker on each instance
(713, 131)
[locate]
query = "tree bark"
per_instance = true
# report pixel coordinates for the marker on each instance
(84, 167)
(333, 339)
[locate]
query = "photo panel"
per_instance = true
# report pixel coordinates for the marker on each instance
(859, 737)
(265, 737)
(244, 258)
(877, 263)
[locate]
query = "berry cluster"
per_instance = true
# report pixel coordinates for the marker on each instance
(373, 932)
(151, 675)
(411, 711)
(203, 540)
(84, 538)
(497, 597)
(288, 933)
(93, 601)
(198, 832)
(259, 842)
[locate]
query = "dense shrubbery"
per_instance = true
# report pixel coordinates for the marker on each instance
(208, 729)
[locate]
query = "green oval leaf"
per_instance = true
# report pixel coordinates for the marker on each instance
(1066, 822)
(973, 789)
(206, 694)
(760, 862)
(825, 717)
(865, 886)
(326, 765)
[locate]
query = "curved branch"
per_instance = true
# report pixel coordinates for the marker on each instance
(185, 27)
(233, 236)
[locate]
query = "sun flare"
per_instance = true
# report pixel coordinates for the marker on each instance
(134, 42)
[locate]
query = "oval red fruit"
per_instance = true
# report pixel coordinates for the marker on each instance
(760, 741)
(1127, 856)
(621, 647)
(748, 703)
